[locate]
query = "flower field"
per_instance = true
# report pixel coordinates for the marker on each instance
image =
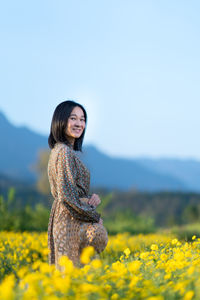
(152, 267)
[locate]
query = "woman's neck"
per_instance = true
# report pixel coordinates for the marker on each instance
(71, 140)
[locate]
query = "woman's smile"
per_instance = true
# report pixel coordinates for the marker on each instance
(77, 130)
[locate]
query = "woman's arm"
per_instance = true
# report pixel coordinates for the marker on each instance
(67, 191)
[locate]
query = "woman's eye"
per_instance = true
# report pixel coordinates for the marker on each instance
(73, 119)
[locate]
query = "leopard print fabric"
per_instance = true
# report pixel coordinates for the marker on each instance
(73, 224)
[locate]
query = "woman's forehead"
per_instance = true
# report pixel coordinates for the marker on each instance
(77, 111)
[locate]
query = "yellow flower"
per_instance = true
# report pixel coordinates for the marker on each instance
(96, 263)
(144, 255)
(22, 272)
(155, 298)
(66, 263)
(163, 256)
(61, 284)
(167, 276)
(30, 293)
(175, 265)
(127, 251)
(154, 247)
(189, 295)
(120, 284)
(90, 277)
(88, 287)
(115, 296)
(179, 256)
(45, 268)
(119, 269)
(6, 288)
(134, 281)
(174, 241)
(108, 287)
(52, 297)
(191, 270)
(194, 237)
(86, 254)
(134, 266)
(180, 287)
(121, 258)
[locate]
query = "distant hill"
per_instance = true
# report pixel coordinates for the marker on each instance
(19, 151)
(186, 170)
(126, 174)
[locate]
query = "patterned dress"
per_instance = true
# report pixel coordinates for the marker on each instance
(73, 224)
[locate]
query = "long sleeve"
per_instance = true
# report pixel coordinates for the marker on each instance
(67, 191)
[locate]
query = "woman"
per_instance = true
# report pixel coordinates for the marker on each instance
(74, 222)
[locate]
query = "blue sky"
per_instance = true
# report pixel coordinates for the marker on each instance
(134, 65)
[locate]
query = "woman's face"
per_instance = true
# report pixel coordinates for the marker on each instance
(75, 124)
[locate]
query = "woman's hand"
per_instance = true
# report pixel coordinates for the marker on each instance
(94, 200)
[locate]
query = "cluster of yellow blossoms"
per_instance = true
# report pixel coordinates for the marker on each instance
(152, 267)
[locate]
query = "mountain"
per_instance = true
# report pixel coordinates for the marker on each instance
(20, 147)
(118, 173)
(186, 170)
(18, 150)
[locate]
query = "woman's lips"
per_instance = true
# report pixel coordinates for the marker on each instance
(77, 130)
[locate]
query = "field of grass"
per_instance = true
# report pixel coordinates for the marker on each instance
(153, 267)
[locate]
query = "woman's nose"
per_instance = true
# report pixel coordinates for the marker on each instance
(78, 123)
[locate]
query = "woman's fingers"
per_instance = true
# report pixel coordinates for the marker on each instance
(94, 200)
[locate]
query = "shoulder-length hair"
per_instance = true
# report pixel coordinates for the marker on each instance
(59, 123)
